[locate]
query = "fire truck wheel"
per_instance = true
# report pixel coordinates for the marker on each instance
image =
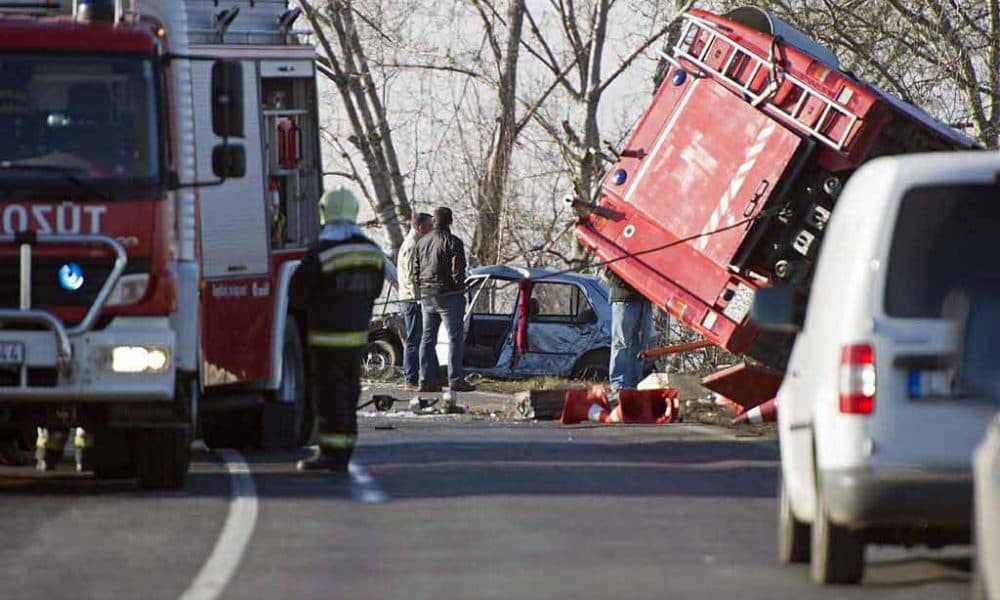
(286, 420)
(236, 429)
(112, 455)
(162, 458)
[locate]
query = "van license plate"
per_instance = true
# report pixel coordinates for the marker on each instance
(924, 383)
(11, 354)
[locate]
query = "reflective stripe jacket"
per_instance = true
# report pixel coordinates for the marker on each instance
(336, 284)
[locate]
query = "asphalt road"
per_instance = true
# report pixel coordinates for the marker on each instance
(442, 507)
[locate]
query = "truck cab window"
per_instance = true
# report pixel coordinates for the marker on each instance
(91, 116)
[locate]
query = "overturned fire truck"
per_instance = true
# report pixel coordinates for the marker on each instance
(729, 178)
(159, 177)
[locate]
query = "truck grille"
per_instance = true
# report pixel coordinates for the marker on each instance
(37, 377)
(45, 289)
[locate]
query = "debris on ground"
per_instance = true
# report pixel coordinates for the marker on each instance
(543, 405)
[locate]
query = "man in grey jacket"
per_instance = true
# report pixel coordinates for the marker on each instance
(409, 296)
(439, 275)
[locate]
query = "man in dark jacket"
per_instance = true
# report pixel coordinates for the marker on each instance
(439, 273)
(631, 331)
(336, 285)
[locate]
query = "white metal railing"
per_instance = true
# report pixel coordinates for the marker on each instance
(692, 31)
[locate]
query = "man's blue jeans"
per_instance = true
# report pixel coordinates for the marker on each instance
(449, 308)
(631, 331)
(413, 323)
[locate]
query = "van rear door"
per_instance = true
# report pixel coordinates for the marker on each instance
(937, 338)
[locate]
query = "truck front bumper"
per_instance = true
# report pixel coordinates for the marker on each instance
(88, 374)
(862, 498)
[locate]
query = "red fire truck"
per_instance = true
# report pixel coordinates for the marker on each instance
(159, 177)
(730, 177)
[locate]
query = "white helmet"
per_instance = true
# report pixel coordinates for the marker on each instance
(339, 204)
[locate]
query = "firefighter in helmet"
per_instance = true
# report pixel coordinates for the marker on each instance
(336, 285)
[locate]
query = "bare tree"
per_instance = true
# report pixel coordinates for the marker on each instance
(489, 201)
(347, 66)
(943, 55)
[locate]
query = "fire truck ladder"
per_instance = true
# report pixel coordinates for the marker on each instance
(698, 29)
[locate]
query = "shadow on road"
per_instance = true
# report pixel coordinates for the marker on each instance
(452, 469)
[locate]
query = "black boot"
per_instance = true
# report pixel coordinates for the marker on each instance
(326, 459)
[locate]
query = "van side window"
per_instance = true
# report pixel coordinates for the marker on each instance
(944, 240)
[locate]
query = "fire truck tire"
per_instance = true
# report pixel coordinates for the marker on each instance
(286, 420)
(112, 455)
(226, 429)
(162, 458)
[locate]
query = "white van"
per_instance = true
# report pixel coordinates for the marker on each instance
(986, 468)
(895, 372)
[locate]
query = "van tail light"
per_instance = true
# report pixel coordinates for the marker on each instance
(857, 379)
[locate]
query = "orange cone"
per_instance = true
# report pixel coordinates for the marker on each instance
(765, 412)
(649, 406)
(586, 405)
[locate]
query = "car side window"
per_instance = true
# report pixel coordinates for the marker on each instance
(388, 300)
(557, 303)
(498, 297)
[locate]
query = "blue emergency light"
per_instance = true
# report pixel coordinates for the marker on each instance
(680, 76)
(620, 176)
(71, 277)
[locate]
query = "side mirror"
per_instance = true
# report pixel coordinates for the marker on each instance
(777, 309)
(227, 98)
(229, 161)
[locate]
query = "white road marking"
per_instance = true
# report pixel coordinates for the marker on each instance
(236, 533)
(363, 485)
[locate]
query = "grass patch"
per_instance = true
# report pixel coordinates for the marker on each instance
(512, 386)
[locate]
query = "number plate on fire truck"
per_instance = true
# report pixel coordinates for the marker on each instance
(11, 353)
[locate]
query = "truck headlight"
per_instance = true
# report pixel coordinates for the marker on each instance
(129, 289)
(139, 359)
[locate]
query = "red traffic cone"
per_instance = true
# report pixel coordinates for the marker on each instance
(765, 412)
(585, 405)
(648, 406)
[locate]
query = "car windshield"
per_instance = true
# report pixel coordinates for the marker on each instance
(70, 119)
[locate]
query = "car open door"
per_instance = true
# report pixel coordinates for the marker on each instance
(560, 327)
(488, 323)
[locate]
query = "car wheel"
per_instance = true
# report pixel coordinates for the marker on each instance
(381, 358)
(793, 535)
(593, 366)
(838, 554)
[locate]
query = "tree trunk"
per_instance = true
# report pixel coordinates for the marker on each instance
(493, 185)
(365, 137)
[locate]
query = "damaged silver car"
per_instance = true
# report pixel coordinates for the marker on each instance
(523, 322)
